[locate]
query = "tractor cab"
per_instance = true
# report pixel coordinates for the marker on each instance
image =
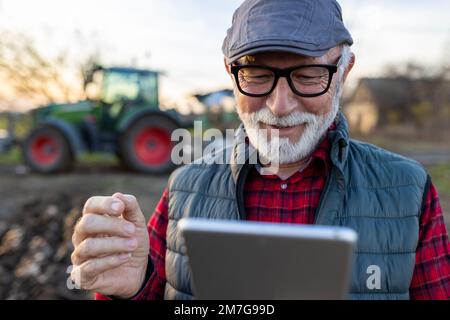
(117, 89)
(115, 85)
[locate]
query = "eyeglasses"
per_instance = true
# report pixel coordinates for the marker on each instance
(306, 80)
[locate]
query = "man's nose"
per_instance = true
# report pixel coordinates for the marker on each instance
(281, 101)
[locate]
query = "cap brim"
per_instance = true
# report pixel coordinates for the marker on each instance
(276, 48)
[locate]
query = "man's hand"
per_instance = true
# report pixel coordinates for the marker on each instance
(111, 246)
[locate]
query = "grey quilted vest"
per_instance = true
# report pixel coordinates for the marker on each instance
(377, 193)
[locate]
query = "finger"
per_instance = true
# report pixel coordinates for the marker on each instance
(97, 247)
(92, 225)
(84, 275)
(132, 211)
(104, 206)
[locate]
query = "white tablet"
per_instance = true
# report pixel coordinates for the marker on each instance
(242, 260)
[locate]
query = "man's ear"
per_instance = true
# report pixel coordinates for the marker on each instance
(350, 66)
(227, 66)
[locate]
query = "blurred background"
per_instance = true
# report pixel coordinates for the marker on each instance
(90, 92)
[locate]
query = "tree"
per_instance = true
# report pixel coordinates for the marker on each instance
(29, 78)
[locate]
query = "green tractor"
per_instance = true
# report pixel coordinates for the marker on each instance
(121, 116)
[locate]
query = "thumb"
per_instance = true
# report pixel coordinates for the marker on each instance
(132, 212)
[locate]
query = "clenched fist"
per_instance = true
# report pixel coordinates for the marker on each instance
(111, 246)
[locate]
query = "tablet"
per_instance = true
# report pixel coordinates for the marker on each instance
(242, 260)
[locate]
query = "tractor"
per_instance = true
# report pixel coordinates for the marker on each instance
(121, 116)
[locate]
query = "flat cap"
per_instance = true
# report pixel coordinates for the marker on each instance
(305, 27)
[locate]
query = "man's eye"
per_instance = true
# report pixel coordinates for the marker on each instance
(307, 79)
(260, 77)
(257, 78)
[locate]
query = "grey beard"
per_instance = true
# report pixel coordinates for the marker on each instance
(282, 150)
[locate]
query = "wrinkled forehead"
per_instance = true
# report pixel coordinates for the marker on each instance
(282, 58)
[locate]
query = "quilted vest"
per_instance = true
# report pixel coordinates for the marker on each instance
(377, 193)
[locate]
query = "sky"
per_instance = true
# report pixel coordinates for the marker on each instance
(184, 38)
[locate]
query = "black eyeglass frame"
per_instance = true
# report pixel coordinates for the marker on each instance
(286, 73)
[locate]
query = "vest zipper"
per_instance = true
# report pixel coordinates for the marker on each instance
(342, 144)
(324, 194)
(240, 183)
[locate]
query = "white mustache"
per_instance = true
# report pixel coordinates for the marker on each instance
(293, 119)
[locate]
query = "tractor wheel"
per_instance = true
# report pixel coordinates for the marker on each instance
(46, 150)
(146, 145)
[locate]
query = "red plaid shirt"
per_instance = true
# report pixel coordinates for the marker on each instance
(270, 199)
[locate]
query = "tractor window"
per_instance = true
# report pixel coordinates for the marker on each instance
(130, 86)
(149, 89)
(94, 87)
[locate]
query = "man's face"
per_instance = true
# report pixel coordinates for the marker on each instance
(308, 115)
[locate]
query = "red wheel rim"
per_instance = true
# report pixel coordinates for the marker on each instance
(44, 150)
(153, 146)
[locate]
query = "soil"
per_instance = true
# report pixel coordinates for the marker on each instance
(37, 216)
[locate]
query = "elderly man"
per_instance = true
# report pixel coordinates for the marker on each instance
(288, 61)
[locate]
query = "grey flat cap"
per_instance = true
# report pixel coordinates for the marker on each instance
(305, 27)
